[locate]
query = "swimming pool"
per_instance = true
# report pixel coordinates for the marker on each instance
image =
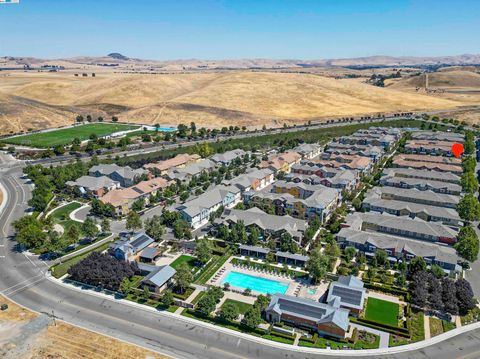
(257, 284)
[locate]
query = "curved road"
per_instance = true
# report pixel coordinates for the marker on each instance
(22, 279)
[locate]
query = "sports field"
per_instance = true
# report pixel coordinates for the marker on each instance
(382, 311)
(65, 136)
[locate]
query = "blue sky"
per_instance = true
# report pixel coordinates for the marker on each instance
(208, 29)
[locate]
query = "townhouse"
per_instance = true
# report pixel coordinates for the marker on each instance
(422, 175)
(369, 138)
(122, 198)
(308, 150)
(399, 248)
(401, 226)
(438, 136)
(253, 180)
(429, 147)
(350, 162)
(422, 184)
(374, 152)
(229, 157)
(197, 211)
(281, 162)
(426, 197)
(179, 161)
(297, 199)
(270, 226)
(323, 318)
(327, 176)
(93, 186)
(126, 176)
(425, 162)
(186, 173)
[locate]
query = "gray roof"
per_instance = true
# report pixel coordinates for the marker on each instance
(309, 310)
(420, 183)
(193, 169)
(159, 276)
(385, 241)
(92, 183)
(228, 156)
(247, 179)
(306, 148)
(141, 240)
(254, 249)
(423, 174)
(294, 256)
(413, 208)
(149, 253)
(414, 195)
(265, 221)
(438, 135)
(402, 225)
(125, 172)
(349, 290)
(207, 200)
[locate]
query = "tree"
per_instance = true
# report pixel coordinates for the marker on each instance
(29, 232)
(133, 221)
(417, 264)
(146, 293)
(381, 257)
(317, 265)
(262, 302)
(437, 271)
(154, 227)
(206, 304)
(349, 253)
(420, 289)
(287, 244)
(332, 250)
(203, 251)
(138, 204)
(229, 312)
(181, 229)
(252, 318)
(89, 228)
(167, 298)
(467, 245)
(464, 294)
(469, 182)
(254, 235)
(105, 225)
(102, 270)
(73, 233)
(183, 277)
(449, 296)
(126, 286)
(468, 208)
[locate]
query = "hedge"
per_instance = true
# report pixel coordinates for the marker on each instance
(384, 327)
(389, 290)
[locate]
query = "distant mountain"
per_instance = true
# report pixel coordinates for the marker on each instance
(117, 56)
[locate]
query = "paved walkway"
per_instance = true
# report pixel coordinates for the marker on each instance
(384, 336)
(383, 296)
(426, 326)
(80, 214)
(458, 321)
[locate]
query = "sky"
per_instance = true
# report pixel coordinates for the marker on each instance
(214, 29)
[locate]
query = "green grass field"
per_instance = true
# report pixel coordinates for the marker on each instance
(242, 307)
(382, 311)
(67, 135)
(62, 215)
(184, 259)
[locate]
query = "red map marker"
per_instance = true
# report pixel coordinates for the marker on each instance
(457, 149)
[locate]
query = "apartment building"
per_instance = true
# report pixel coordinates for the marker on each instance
(423, 184)
(179, 161)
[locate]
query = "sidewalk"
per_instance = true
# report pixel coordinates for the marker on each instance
(426, 326)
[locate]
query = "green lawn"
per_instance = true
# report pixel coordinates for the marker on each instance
(67, 135)
(382, 311)
(184, 259)
(242, 307)
(62, 215)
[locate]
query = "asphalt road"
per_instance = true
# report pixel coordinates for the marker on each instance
(22, 279)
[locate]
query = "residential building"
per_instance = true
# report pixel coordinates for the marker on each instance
(401, 226)
(186, 173)
(401, 161)
(129, 248)
(253, 251)
(422, 184)
(179, 161)
(281, 162)
(297, 199)
(429, 147)
(253, 180)
(159, 279)
(330, 177)
(414, 195)
(228, 157)
(399, 248)
(438, 136)
(323, 318)
(93, 186)
(270, 226)
(349, 162)
(308, 150)
(347, 292)
(422, 174)
(374, 152)
(122, 198)
(292, 259)
(126, 176)
(197, 211)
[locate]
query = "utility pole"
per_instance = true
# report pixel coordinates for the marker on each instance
(53, 316)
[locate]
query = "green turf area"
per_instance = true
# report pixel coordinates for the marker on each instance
(62, 215)
(184, 259)
(67, 135)
(242, 307)
(382, 311)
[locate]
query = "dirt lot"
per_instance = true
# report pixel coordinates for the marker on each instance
(26, 335)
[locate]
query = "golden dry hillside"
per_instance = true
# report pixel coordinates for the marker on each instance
(38, 100)
(442, 79)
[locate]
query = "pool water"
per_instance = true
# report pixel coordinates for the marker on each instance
(166, 129)
(257, 284)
